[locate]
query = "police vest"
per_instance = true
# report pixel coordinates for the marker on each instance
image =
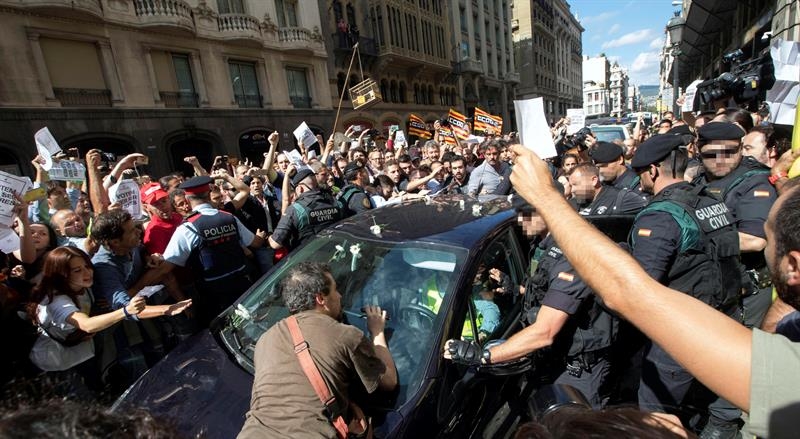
(606, 202)
(315, 211)
(591, 328)
(707, 266)
(219, 254)
(749, 167)
(346, 194)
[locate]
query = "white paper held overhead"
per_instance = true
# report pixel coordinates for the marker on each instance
(534, 130)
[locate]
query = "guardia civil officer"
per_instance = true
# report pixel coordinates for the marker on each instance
(353, 197)
(562, 314)
(609, 158)
(685, 239)
(743, 183)
(312, 211)
(209, 242)
(591, 197)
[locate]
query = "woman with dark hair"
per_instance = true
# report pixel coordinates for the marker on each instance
(44, 239)
(61, 307)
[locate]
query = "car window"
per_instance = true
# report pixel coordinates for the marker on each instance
(411, 281)
(494, 295)
(609, 134)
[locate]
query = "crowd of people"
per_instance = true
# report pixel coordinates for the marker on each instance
(96, 296)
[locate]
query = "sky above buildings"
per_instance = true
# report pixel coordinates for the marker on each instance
(628, 31)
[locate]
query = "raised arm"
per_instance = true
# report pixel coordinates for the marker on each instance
(713, 347)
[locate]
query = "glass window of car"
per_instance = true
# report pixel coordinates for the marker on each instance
(410, 280)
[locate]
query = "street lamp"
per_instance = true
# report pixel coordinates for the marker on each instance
(675, 29)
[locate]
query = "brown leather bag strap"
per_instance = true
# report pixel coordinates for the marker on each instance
(312, 372)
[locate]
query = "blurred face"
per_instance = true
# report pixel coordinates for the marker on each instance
(333, 301)
(84, 206)
(432, 153)
(721, 157)
(256, 187)
(283, 162)
(583, 186)
(406, 168)
(216, 199)
(161, 208)
(358, 155)
(376, 159)
(172, 183)
(492, 156)
(322, 177)
(646, 180)
(40, 236)
(663, 128)
(131, 236)
(457, 169)
(569, 163)
(80, 274)
(610, 171)
(70, 225)
(755, 145)
(629, 145)
(58, 199)
(181, 205)
(778, 264)
(438, 170)
(388, 155)
(532, 224)
(505, 155)
(393, 172)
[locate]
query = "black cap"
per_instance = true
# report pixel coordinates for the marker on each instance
(350, 171)
(301, 175)
(196, 185)
(655, 149)
(520, 205)
(606, 152)
(720, 131)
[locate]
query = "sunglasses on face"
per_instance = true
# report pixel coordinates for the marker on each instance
(721, 153)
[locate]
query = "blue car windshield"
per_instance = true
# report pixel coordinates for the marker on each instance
(409, 280)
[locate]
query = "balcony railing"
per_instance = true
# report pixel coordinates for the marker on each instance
(82, 97)
(66, 7)
(301, 101)
(248, 101)
(173, 99)
(294, 34)
(164, 12)
(239, 25)
(366, 46)
(468, 66)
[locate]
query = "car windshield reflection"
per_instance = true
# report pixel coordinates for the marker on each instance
(409, 280)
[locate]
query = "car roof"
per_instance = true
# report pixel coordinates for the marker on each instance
(457, 220)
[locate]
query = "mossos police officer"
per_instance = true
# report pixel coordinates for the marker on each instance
(312, 211)
(685, 239)
(561, 313)
(353, 197)
(210, 242)
(743, 184)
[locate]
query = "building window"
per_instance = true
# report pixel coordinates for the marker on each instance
(402, 92)
(186, 96)
(245, 84)
(231, 6)
(287, 13)
(298, 87)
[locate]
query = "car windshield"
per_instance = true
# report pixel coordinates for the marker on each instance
(409, 280)
(608, 134)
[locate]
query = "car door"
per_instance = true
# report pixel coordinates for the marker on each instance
(471, 403)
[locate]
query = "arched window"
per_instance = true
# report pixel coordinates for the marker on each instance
(385, 91)
(393, 91)
(403, 92)
(430, 95)
(442, 97)
(416, 94)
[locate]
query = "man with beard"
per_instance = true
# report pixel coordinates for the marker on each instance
(686, 240)
(754, 370)
(459, 177)
(340, 353)
(163, 220)
(743, 184)
(491, 176)
(590, 197)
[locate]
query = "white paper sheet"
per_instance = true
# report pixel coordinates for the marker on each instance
(10, 185)
(304, 135)
(47, 147)
(67, 170)
(150, 290)
(691, 91)
(534, 130)
(126, 193)
(782, 97)
(577, 120)
(9, 240)
(400, 137)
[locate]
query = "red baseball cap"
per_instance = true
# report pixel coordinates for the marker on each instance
(152, 192)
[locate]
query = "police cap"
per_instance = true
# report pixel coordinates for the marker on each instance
(520, 204)
(681, 130)
(655, 149)
(351, 170)
(720, 131)
(606, 152)
(301, 175)
(196, 185)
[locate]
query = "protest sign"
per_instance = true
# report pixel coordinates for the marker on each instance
(10, 187)
(47, 147)
(296, 159)
(534, 130)
(784, 94)
(67, 170)
(688, 100)
(126, 193)
(400, 137)
(577, 120)
(304, 135)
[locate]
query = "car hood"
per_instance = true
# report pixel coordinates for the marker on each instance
(195, 386)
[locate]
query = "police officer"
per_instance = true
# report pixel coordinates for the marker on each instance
(353, 197)
(609, 158)
(562, 314)
(685, 239)
(312, 211)
(743, 183)
(590, 197)
(210, 242)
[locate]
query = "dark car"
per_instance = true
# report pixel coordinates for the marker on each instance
(427, 263)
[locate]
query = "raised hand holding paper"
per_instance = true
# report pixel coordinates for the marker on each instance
(47, 147)
(534, 131)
